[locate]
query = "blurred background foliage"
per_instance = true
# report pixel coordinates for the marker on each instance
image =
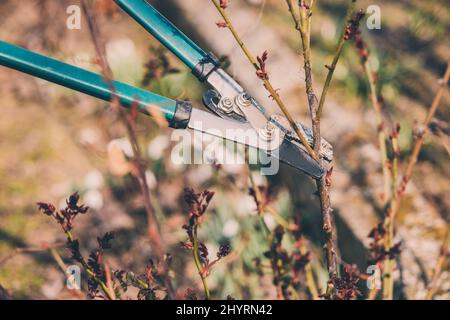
(54, 141)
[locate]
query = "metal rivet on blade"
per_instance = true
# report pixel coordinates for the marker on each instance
(243, 100)
(267, 132)
(226, 105)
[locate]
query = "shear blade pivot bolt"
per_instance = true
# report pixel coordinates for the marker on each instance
(226, 105)
(267, 132)
(243, 100)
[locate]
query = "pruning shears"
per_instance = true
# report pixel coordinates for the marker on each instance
(234, 115)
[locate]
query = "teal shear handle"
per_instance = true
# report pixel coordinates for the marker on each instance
(200, 62)
(177, 113)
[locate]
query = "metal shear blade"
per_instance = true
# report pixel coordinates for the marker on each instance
(286, 151)
(229, 101)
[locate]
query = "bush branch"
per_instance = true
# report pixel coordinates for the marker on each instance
(420, 138)
(198, 263)
(302, 23)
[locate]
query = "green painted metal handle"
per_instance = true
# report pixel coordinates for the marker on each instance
(163, 30)
(85, 81)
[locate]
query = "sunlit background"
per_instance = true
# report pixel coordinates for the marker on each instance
(54, 141)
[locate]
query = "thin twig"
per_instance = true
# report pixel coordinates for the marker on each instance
(310, 281)
(373, 294)
(443, 255)
(390, 176)
(400, 189)
(17, 251)
(322, 184)
(329, 228)
(420, 139)
(266, 82)
(303, 25)
(260, 208)
(198, 263)
(305, 35)
(91, 273)
(389, 224)
(295, 17)
(389, 197)
(376, 104)
(153, 225)
(337, 55)
(59, 261)
(109, 281)
(154, 233)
